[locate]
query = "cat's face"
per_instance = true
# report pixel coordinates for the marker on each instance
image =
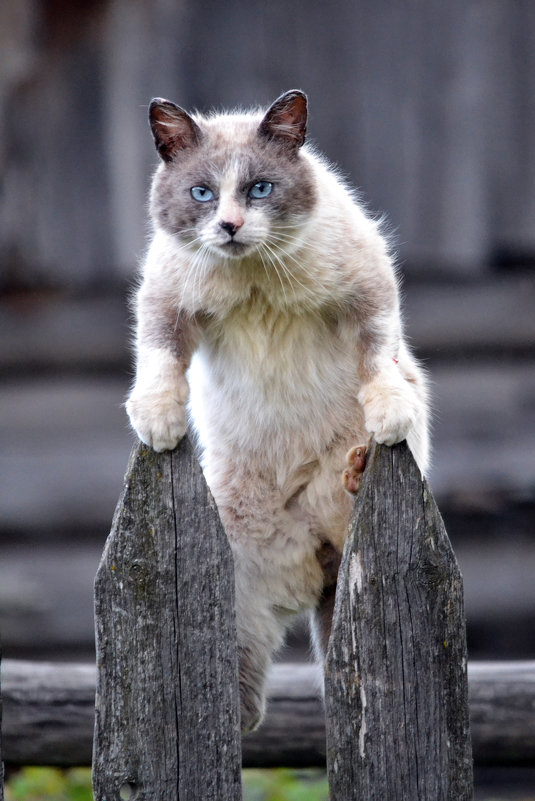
(233, 185)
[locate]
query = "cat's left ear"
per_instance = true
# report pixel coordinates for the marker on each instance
(172, 127)
(286, 120)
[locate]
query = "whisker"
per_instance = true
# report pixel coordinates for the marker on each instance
(290, 240)
(264, 247)
(292, 278)
(260, 253)
(201, 264)
(194, 266)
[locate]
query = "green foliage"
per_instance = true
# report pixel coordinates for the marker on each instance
(283, 784)
(280, 784)
(52, 784)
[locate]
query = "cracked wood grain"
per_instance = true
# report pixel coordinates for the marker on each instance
(395, 679)
(167, 702)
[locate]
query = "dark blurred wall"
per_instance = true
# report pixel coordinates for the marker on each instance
(428, 106)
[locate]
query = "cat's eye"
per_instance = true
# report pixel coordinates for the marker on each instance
(201, 193)
(261, 189)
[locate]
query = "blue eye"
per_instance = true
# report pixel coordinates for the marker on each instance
(201, 193)
(261, 189)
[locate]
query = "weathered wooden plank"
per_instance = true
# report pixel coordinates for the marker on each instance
(395, 679)
(49, 712)
(502, 712)
(49, 715)
(293, 732)
(167, 709)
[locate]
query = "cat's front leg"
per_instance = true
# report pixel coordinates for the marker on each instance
(391, 405)
(157, 404)
(166, 338)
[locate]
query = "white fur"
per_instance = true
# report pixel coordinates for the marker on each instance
(278, 389)
(158, 400)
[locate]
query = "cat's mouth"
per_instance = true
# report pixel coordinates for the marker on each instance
(235, 249)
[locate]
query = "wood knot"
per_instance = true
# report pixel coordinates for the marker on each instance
(431, 574)
(129, 791)
(139, 573)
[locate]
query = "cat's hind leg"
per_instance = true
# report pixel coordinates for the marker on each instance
(261, 627)
(356, 462)
(321, 616)
(253, 665)
(259, 637)
(276, 570)
(329, 559)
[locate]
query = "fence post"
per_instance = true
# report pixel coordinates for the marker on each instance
(167, 708)
(395, 678)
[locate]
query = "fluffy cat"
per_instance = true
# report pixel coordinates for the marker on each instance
(269, 309)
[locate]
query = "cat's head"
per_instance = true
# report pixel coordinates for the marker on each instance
(233, 184)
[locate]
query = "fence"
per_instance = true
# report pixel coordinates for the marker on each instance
(167, 714)
(166, 725)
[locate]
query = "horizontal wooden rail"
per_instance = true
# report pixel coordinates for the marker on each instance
(48, 715)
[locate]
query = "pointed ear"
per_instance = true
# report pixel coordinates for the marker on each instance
(286, 120)
(172, 127)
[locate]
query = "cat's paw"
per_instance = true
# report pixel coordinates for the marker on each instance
(252, 692)
(252, 703)
(356, 460)
(251, 716)
(159, 419)
(389, 412)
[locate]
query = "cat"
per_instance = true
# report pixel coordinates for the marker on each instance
(268, 315)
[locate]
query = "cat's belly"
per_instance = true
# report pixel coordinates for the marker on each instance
(278, 518)
(274, 438)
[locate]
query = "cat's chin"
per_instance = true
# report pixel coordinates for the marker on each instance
(235, 250)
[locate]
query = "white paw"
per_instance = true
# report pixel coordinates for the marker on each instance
(159, 419)
(389, 413)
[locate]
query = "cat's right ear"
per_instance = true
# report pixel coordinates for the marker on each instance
(286, 120)
(172, 127)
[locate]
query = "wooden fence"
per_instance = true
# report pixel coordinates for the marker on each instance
(167, 713)
(166, 727)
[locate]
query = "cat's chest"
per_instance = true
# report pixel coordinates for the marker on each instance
(278, 353)
(268, 342)
(285, 383)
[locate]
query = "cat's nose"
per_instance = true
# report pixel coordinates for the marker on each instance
(229, 226)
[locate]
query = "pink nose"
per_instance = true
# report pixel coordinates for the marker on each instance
(231, 226)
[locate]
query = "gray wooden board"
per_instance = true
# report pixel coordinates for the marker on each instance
(395, 681)
(167, 709)
(49, 712)
(51, 331)
(46, 595)
(49, 715)
(65, 443)
(54, 332)
(502, 712)
(65, 437)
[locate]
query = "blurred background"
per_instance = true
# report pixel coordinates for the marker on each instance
(428, 108)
